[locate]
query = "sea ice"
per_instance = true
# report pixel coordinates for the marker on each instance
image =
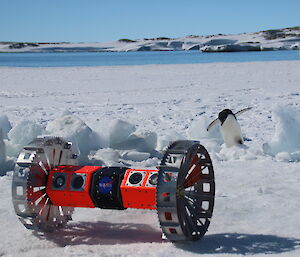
(2, 149)
(285, 144)
(198, 130)
(106, 157)
(135, 156)
(237, 152)
(119, 132)
(143, 141)
(22, 134)
(212, 139)
(125, 136)
(72, 128)
(4, 125)
(257, 201)
(166, 138)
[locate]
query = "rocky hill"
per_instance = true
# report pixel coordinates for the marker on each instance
(275, 39)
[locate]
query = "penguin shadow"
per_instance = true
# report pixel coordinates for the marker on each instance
(235, 243)
(103, 233)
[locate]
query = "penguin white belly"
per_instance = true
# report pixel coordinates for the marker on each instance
(231, 132)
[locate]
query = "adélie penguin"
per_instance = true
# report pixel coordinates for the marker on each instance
(230, 128)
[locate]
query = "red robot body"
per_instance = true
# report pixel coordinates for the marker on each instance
(48, 184)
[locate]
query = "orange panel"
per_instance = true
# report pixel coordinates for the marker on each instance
(64, 186)
(140, 195)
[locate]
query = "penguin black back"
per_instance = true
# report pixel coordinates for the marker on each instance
(224, 114)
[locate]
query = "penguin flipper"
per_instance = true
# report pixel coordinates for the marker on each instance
(213, 123)
(242, 111)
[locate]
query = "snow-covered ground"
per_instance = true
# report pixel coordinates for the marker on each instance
(127, 116)
(276, 39)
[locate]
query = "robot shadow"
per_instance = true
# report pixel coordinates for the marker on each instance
(234, 243)
(103, 233)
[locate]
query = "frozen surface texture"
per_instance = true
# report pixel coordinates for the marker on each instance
(285, 144)
(4, 125)
(75, 130)
(126, 116)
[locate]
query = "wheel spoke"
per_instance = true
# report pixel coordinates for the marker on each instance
(199, 196)
(192, 195)
(195, 172)
(33, 207)
(191, 223)
(191, 209)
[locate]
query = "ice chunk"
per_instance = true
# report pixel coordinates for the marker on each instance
(124, 136)
(6, 163)
(164, 140)
(283, 157)
(149, 163)
(135, 156)
(24, 132)
(106, 157)
(12, 149)
(120, 158)
(74, 129)
(65, 112)
(237, 152)
(286, 139)
(4, 125)
(142, 140)
(198, 130)
(2, 150)
(20, 135)
(119, 133)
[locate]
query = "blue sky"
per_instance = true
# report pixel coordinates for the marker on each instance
(100, 21)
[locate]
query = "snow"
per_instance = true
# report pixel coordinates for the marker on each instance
(126, 116)
(124, 135)
(285, 143)
(4, 125)
(136, 156)
(281, 39)
(75, 130)
(106, 157)
(198, 130)
(119, 133)
(165, 139)
(2, 149)
(22, 134)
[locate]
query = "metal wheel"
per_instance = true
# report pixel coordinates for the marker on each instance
(185, 191)
(31, 203)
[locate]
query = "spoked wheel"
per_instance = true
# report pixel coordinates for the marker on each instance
(185, 191)
(31, 203)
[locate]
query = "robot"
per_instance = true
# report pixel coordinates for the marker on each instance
(48, 184)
